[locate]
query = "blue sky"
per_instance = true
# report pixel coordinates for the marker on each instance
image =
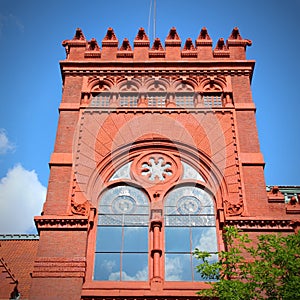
(31, 33)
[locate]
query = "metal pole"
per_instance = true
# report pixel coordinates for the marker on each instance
(154, 17)
(149, 19)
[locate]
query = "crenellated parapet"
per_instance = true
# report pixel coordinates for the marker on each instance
(79, 48)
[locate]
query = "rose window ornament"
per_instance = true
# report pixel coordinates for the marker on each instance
(156, 168)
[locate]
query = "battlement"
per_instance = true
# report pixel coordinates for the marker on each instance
(79, 48)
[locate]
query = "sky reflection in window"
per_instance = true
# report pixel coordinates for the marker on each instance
(122, 235)
(189, 223)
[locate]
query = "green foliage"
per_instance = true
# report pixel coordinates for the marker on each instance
(266, 269)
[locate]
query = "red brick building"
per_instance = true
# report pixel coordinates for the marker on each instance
(156, 150)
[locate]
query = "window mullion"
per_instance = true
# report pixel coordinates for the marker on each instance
(122, 247)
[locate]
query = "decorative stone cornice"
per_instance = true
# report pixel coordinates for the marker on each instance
(129, 68)
(155, 110)
(260, 224)
(54, 222)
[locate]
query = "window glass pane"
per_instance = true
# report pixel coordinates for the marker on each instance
(109, 239)
(178, 267)
(189, 223)
(123, 172)
(128, 99)
(107, 266)
(190, 173)
(136, 239)
(184, 100)
(177, 239)
(212, 100)
(126, 200)
(101, 99)
(156, 100)
(204, 238)
(135, 267)
(189, 201)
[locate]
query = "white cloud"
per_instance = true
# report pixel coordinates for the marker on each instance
(21, 198)
(5, 144)
(141, 275)
(108, 265)
(208, 240)
(174, 268)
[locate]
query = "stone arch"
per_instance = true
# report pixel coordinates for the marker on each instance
(213, 84)
(214, 180)
(156, 85)
(99, 85)
(132, 85)
(186, 86)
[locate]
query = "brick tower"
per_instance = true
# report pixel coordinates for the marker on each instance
(156, 150)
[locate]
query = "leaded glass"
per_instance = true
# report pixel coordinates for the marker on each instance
(189, 200)
(122, 173)
(122, 235)
(123, 200)
(190, 173)
(189, 224)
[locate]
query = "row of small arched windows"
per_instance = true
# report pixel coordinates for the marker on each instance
(208, 100)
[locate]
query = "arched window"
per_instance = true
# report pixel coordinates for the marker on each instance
(189, 224)
(156, 92)
(184, 95)
(128, 94)
(140, 235)
(122, 235)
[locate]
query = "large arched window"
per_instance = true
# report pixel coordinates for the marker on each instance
(151, 217)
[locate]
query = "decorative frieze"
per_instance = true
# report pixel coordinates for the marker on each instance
(61, 222)
(261, 224)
